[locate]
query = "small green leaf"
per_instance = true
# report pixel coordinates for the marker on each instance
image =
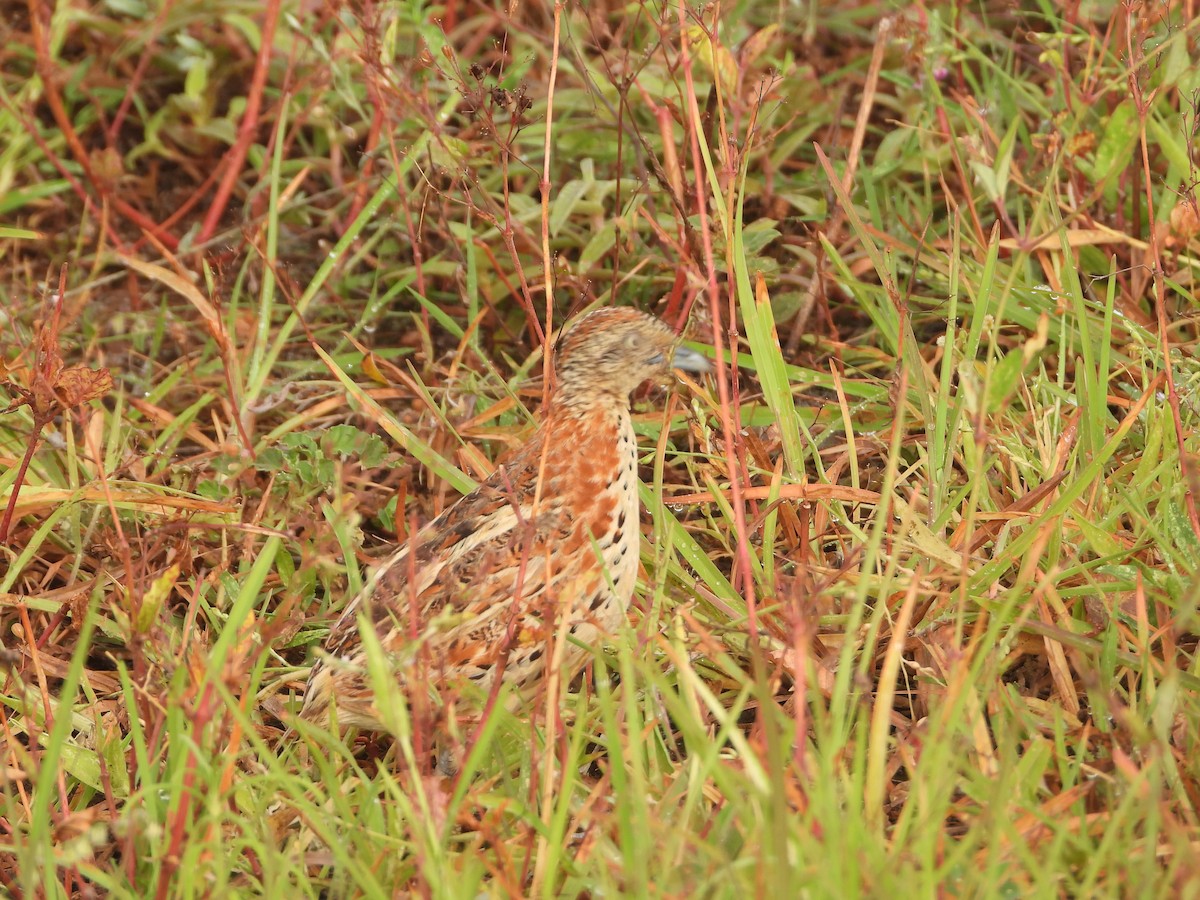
(298, 441)
(1179, 528)
(387, 515)
(154, 598)
(1003, 383)
(373, 452)
(19, 234)
(758, 235)
(564, 204)
(82, 764)
(602, 241)
(270, 460)
(284, 564)
(342, 440)
(1113, 154)
(213, 490)
(195, 83)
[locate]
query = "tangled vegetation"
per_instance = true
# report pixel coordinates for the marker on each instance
(918, 607)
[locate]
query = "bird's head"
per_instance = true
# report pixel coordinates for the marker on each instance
(613, 350)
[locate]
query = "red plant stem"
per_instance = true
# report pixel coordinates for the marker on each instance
(248, 127)
(202, 716)
(1160, 291)
(10, 509)
(729, 433)
(182, 817)
(58, 618)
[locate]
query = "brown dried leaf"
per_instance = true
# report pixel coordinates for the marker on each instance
(76, 385)
(371, 370)
(758, 44)
(1185, 220)
(1081, 143)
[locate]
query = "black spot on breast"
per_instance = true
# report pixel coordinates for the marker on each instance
(617, 535)
(620, 521)
(535, 655)
(597, 602)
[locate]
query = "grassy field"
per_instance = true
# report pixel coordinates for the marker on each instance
(918, 609)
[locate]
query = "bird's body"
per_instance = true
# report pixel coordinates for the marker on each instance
(553, 532)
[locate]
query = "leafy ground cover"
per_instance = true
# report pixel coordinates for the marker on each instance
(918, 613)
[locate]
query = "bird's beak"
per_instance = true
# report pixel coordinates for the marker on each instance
(690, 361)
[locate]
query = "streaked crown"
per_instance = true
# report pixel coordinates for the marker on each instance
(612, 351)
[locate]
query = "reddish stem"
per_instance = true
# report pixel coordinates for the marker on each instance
(38, 425)
(248, 127)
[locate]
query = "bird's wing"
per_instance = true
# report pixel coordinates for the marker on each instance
(472, 571)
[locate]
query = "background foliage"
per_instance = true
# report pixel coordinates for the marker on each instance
(919, 603)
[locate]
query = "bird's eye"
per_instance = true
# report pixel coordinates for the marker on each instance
(633, 341)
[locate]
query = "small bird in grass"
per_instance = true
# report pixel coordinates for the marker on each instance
(553, 532)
